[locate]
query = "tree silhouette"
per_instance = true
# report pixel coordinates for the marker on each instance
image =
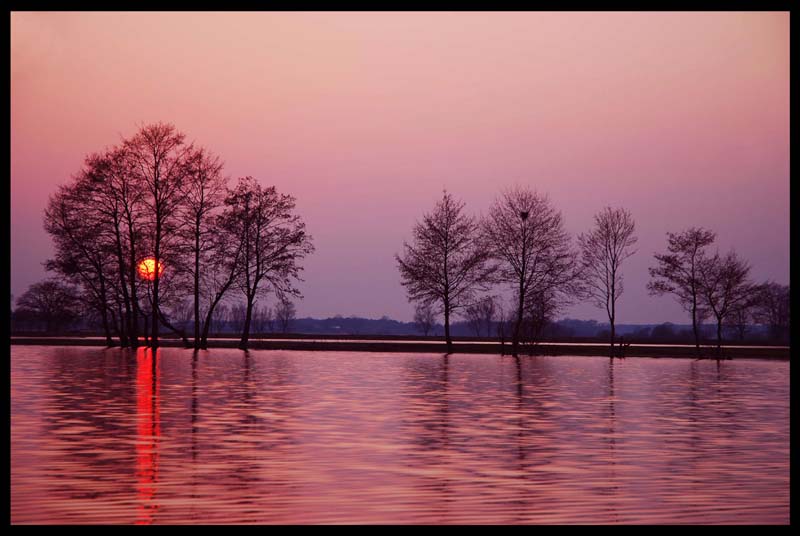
(526, 234)
(603, 250)
(273, 239)
(204, 190)
(447, 262)
(160, 161)
(724, 287)
(677, 272)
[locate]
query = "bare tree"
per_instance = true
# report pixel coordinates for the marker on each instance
(424, 318)
(273, 241)
(81, 255)
(223, 256)
(724, 286)
(52, 301)
(447, 262)
(284, 313)
(772, 308)
(204, 189)
(117, 194)
(677, 272)
(160, 160)
(603, 250)
(526, 234)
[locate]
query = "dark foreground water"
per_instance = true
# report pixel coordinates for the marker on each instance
(109, 436)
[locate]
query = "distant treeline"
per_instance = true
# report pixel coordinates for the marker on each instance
(230, 323)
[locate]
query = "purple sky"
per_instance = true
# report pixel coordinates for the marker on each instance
(683, 118)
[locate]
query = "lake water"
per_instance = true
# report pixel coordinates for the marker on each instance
(114, 436)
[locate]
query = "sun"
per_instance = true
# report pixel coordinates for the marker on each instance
(147, 269)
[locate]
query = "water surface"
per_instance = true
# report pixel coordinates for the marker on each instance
(224, 436)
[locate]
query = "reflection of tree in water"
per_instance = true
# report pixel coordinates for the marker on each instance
(247, 425)
(534, 445)
(86, 411)
(428, 423)
(613, 489)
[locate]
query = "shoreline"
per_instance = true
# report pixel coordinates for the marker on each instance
(382, 345)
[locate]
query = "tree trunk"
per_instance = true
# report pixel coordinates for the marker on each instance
(447, 338)
(106, 327)
(612, 313)
(123, 326)
(208, 320)
(197, 284)
(156, 280)
(248, 317)
(123, 339)
(133, 318)
(181, 333)
(719, 337)
(613, 334)
(518, 325)
(206, 328)
(694, 328)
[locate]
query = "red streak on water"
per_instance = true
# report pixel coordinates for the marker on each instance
(148, 429)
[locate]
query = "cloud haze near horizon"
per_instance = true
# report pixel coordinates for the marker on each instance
(683, 118)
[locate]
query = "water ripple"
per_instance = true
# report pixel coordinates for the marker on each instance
(224, 436)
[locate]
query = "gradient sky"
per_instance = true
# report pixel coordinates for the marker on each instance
(683, 118)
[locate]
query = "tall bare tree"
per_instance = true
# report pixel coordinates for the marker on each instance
(447, 262)
(273, 240)
(603, 250)
(118, 195)
(724, 286)
(526, 234)
(677, 272)
(160, 159)
(204, 191)
(224, 261)
(81, 256)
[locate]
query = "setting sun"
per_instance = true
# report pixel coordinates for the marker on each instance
(147, 269)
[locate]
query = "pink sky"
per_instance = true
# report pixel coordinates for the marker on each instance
(683, 118)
